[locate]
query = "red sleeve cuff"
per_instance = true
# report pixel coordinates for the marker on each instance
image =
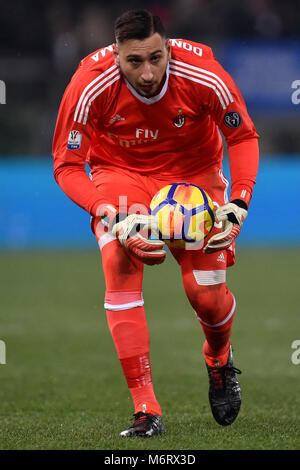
(241, 193)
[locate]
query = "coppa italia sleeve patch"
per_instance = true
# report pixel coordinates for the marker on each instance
(233, 119)
(74, 140)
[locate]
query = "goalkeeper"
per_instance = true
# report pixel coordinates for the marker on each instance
(145, 112)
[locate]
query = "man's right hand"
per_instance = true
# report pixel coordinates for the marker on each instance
(127, 229)
(128, 232)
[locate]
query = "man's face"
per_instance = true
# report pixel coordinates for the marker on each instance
(143, 62)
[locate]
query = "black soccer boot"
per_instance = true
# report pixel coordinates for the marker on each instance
(145, 425)
(224, 391)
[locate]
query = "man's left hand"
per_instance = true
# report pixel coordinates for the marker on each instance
(232, 215)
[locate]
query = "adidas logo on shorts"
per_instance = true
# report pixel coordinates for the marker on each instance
(221, 258)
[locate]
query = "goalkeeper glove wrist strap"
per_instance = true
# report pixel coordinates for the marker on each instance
(241, 203)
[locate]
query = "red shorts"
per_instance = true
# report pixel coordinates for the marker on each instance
(132, 193)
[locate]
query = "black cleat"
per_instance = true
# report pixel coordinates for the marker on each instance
(145, 425)
(224, 391)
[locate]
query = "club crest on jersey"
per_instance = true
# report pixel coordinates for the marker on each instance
(179, 120)
(232, 119)
(74, 140)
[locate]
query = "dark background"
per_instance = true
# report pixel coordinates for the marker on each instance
(41, 44)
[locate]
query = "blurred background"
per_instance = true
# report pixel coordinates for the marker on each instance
(41, 44)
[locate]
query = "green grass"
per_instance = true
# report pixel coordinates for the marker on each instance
(62, 386)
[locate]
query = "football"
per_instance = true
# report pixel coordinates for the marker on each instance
(185, 214)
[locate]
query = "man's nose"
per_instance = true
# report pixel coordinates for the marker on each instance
(147, 74)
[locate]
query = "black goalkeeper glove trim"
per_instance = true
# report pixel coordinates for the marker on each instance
(240, 203)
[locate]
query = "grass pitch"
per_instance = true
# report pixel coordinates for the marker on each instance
(62, 385)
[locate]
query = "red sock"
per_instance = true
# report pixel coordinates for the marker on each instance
(211, 356)
(127, 323)
(131, 337)
(137, 371)
(217, 344)
(214, 306)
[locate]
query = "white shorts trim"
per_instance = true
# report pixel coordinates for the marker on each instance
(210, 278)
(225, 319)
(104, 239)
(137, 303)
(226, 182)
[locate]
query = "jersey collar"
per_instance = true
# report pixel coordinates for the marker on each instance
(153, 99)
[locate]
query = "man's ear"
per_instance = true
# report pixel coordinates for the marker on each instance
(168, 47)
(116, 54)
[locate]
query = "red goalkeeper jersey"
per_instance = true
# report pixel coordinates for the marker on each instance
(175, 134)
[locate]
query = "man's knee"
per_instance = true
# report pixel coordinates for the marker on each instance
(206, 299)
(121, 270)
(208, 294)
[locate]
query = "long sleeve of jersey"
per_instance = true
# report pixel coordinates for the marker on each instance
(229, 111)
(76, 184)
(243, 161)
(71, 145)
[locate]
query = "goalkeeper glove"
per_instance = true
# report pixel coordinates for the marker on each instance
(232, 215)
(127, 230)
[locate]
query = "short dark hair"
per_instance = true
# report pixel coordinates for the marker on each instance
(137, 24)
